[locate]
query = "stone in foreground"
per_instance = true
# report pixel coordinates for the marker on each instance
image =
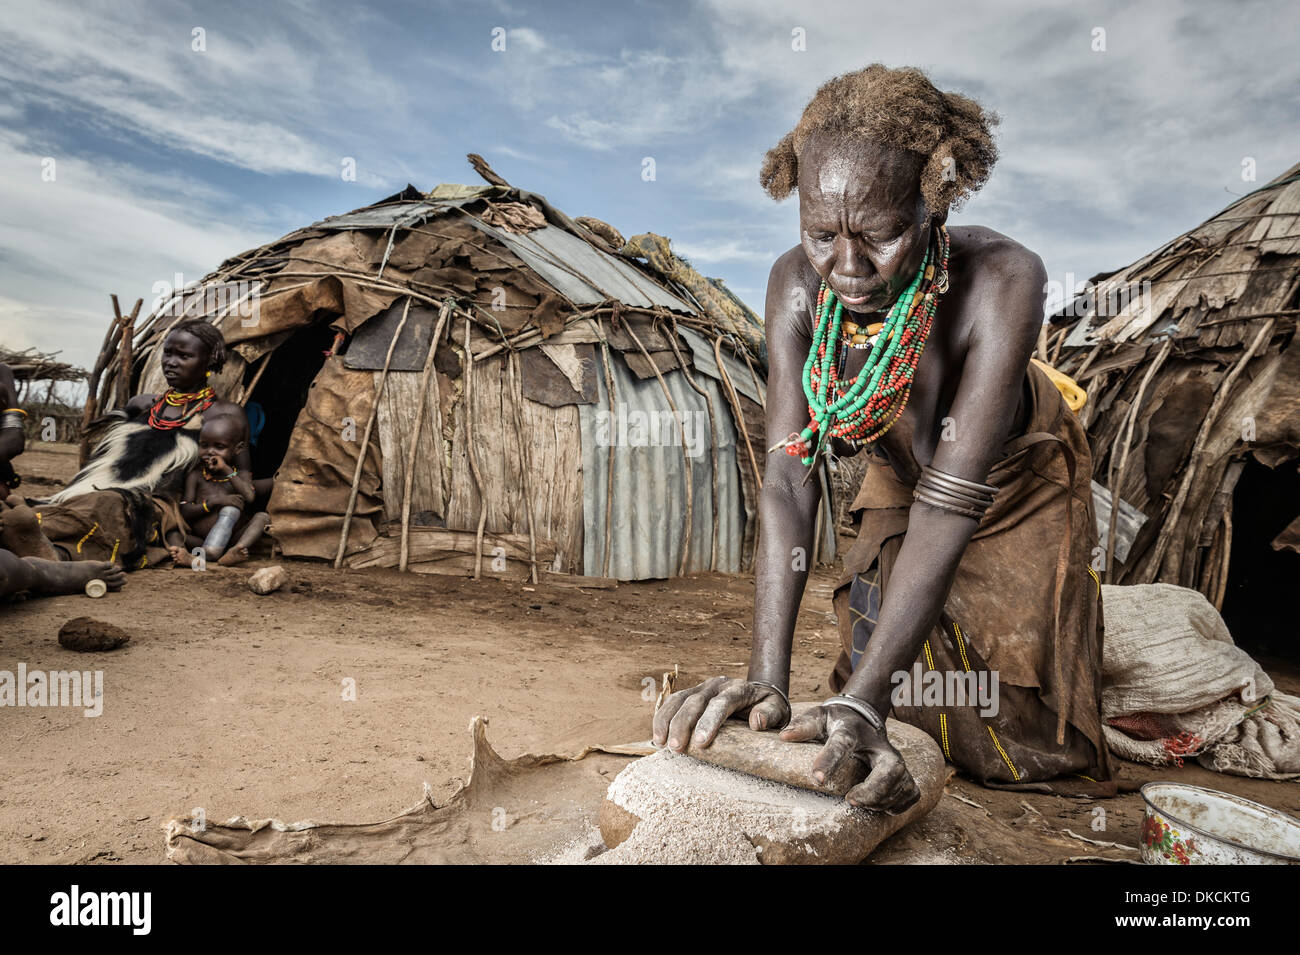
(268, 580)
(675, 809)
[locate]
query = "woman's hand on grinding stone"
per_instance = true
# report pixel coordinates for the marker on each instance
(889, 787)
(697, 713)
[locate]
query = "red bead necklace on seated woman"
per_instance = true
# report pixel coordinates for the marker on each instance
(191, 403)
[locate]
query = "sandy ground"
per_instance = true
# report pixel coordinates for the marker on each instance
(235, 703)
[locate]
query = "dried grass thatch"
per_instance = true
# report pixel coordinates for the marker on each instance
(31, 365)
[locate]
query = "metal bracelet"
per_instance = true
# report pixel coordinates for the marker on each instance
(861, 707)
(951, 493)
(929, 496)
(965, 500)
(12, 419)
(959, 483)
(782, 694)
(975, 500)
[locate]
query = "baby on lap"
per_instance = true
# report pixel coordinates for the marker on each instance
(216, 498)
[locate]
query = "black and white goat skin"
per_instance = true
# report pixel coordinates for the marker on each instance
(135, 457)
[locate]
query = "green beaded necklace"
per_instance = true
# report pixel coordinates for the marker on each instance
(870, 404)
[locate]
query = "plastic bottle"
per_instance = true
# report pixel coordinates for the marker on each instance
(219, 536)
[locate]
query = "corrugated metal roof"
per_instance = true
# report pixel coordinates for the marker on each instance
(742, 379)
(400, 214)
(649, 508)
(580, 272)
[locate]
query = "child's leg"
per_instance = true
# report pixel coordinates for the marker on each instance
(239, 553)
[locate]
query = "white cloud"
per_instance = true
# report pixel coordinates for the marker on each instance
(259, 100)
(724, 251)
(69, 243)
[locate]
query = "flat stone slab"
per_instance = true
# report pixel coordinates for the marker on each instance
(673, 808)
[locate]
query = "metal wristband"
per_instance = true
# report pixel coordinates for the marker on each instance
(12, 419)
(958, 483)
(935, 499)
(861, 707)
(952, 493)
(789, 710)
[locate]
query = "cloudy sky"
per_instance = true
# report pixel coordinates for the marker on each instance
(168, 158)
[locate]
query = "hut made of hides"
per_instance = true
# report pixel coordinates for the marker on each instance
(527, 393)
(1192, 370)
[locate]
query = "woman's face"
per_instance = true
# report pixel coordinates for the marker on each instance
(185, 361)
(862, 221)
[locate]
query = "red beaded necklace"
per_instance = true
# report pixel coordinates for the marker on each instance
(203, 398)
(862, 409)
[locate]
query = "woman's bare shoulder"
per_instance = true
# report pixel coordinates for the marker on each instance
(998, 276)
(791, 289)
(989, 254)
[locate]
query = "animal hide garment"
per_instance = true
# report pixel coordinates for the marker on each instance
(134, 456)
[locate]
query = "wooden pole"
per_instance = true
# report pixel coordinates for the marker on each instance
(1190, 471)
(92, 394)
(1117, 474)
(740, 414)
(515, 376)
(413, 451)
(469, 453)
(126, 356)
(365, 440)
(257, 376)
(610, 457)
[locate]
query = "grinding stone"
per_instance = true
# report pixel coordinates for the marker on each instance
(673, 808)
(768, 756)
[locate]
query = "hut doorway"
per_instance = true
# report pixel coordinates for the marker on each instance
(282, 392)
(1259, 602)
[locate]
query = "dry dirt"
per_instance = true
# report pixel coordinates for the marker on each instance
(234, 703)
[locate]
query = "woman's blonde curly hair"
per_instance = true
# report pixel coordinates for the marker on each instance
(903, 109)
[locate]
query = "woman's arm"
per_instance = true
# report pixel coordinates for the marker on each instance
(12, 440)
(788, 508)
(1007, 297)
(789, 499)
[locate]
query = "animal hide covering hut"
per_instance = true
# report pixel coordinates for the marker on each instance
(531, 393)
(1192, 370)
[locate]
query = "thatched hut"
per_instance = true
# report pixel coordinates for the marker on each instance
(1193, 380)
(525, 392)
(48, 389)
